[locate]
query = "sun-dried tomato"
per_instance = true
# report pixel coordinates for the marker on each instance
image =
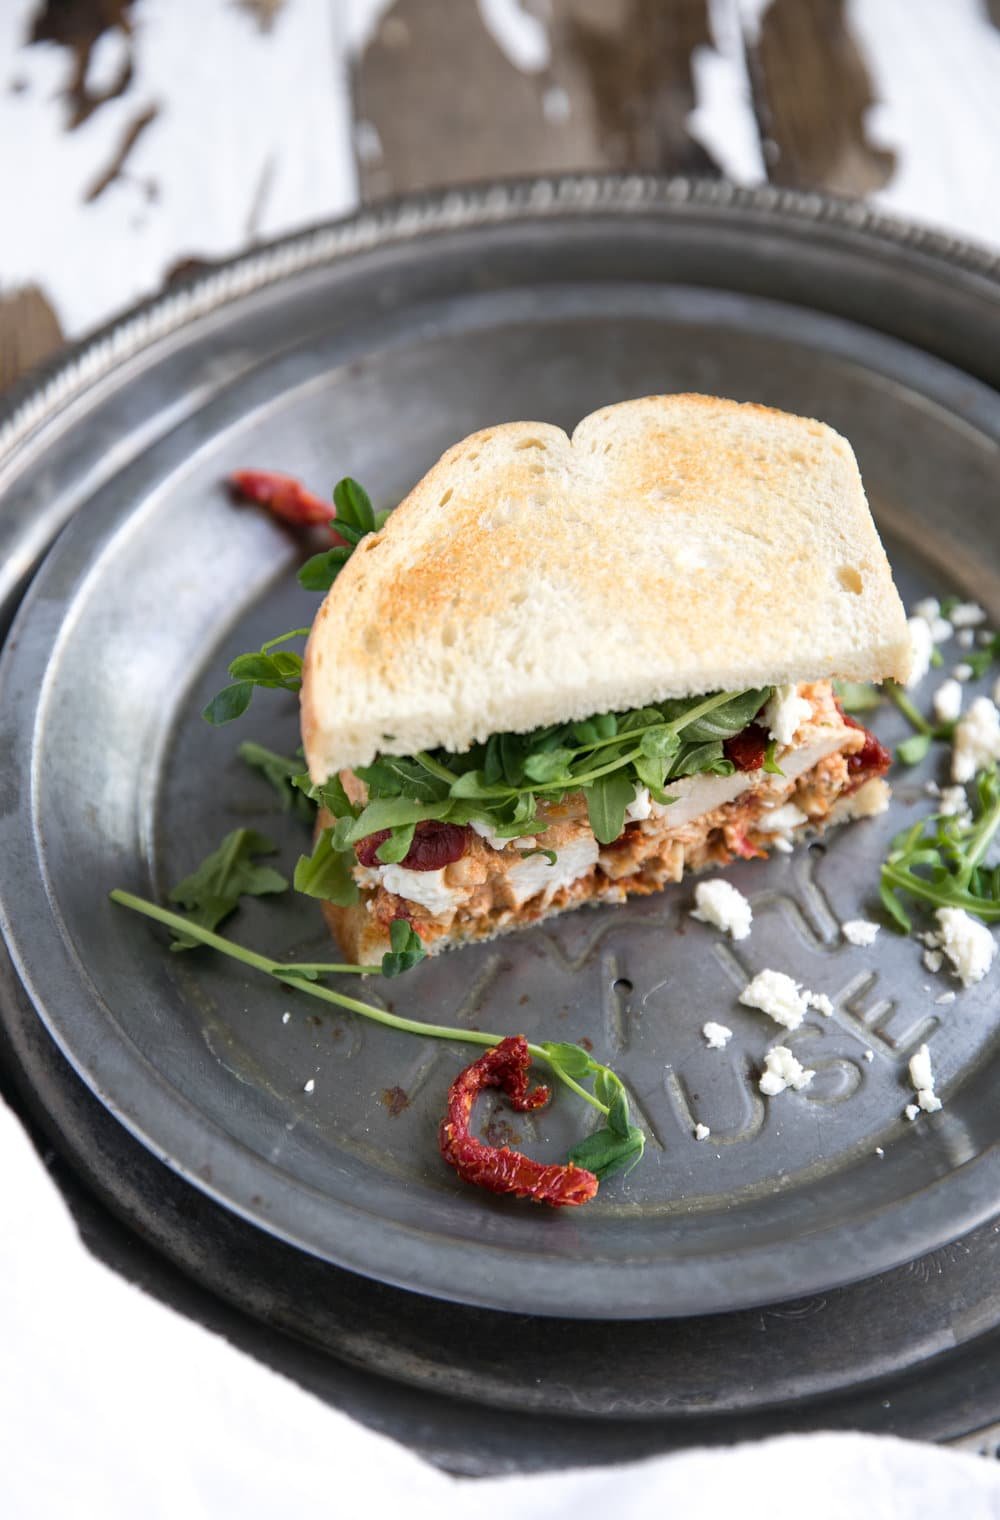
(747, 748)
(498, 1168)
(873, 759)
(434, 846)
(285, 497)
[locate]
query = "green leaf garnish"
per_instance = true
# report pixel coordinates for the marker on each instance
(607, 800)
(284, 774)
(407, 948)
(326, 873)
(213, 891)
(282, 670)
(857, 696)
(913, 749)
(938, 861)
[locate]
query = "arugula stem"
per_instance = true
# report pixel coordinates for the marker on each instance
(285, 973)
(980, 840)
(914, 717)
(435, 767)
(928, 891)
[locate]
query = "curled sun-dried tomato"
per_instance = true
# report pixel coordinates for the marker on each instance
(434, 846)
(285, 497)
(498, 1168)
(747, 748)
(873, 759)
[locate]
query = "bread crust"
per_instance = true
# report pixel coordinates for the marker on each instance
(675, 545)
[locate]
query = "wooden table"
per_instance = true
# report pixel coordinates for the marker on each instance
(142, 138)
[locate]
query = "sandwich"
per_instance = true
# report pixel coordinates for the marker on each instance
(568, 670)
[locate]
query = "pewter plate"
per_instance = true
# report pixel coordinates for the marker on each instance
(377, 350)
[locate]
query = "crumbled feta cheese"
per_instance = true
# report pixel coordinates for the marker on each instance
(782, 844)
(640, 807)
(921, 1072)
(965, 638)
(946, 997)
(428, 888)
(911, 1111)
(961, 672)
(782, 1070)
(310, 1085)
(932, 789)
(821, 1003)
(777, 995)
(859, 931)
(921, 647)
(933, 960)
(719, 903)
(780, 820)
(984, 636)
(941, 630)
(717, 1036)
(947, 701)
(966, 942)
(286, 1017)
(928, 609)
(954, 801)
(879, 1151)
(785, 713)
(928, 1100)
(869, 1055)
(701, 1132)
(977, 740)
(967, 615)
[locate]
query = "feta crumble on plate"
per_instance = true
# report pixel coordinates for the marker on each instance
(966, 942)
(922, 1077)
(701, 1132)
(717, 1036)
(947, 701)
(718, 902)
(967, 615)
(782, 1070)
(859, 931)
(782, 999)
(977, 740)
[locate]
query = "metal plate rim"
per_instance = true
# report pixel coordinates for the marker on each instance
(899, 1250)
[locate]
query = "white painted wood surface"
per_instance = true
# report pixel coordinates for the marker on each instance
(253, 136)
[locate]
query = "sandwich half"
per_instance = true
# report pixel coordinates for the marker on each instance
(570, 669)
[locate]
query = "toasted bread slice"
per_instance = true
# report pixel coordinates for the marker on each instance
(675, 545)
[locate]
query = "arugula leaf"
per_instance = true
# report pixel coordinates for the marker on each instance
(407, 948)
(329, 795)
(550, 855)
(729, 718)
(397, 776)
(391, 813)
(938, 861)
(326, 873)
(283, 772)
(354, 507)
(607, 800)
(321, 570)
(396, 848)
(605, 1152)
(213, 891)
(261, 668)
(573, 1059)
(913, 749)
(771, 766)
(857, 696)
(546, 766)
